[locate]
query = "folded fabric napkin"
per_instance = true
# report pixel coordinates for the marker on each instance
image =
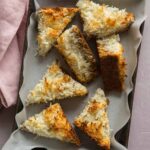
(13, 14)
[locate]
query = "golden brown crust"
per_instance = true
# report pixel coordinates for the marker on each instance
(72, 55)
(55, 84)
(93, 128)
(56, 15)
(94, 121)
(51, 123)
(51, 23)
(113, 67)
(56, 119)
(101, 20)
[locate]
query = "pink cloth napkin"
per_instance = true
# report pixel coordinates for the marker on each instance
(13, 14)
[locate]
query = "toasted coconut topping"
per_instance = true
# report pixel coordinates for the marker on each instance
(112, 62)
(102, 20)
(74, 48)
(51, 123)
(55, 85)
(94, 120)
(51, 23)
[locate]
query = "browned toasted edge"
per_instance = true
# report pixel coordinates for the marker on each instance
(88, 36)
(45, 10)
(113, 69)
(88, 54)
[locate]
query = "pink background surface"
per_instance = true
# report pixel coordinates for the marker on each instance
(140, 124)
(12, 25)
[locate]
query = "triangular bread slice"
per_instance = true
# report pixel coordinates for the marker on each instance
(103, 20)
(112, 62)
(94, 120)
(55, 85)
(51, 23)
(74, 48)
(51, 123)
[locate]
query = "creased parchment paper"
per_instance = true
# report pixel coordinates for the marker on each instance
(35, 67)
